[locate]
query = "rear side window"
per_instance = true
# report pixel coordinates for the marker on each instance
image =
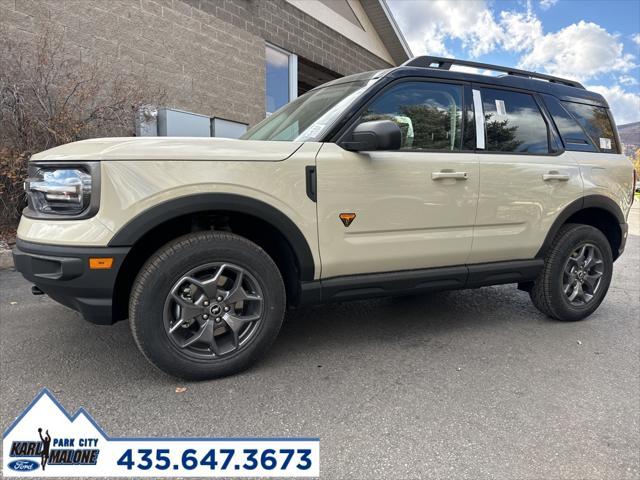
(513, 123)
(596, 123)
(572, 134)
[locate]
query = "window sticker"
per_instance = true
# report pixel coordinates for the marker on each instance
(605, 143)
(311, 132)
(501, 109)
(406, 127)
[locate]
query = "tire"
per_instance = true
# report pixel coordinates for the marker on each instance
(176, 299)
(562, 273)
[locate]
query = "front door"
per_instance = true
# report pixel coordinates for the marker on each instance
(414, 208)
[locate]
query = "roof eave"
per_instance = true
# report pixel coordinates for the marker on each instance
(388, 30)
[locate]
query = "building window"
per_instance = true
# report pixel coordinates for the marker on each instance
(281, 84)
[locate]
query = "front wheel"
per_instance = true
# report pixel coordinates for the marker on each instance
(206, 305)
(576, 275)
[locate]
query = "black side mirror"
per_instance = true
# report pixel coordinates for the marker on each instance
(375, 135)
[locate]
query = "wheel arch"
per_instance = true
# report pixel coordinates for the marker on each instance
(596, 210)
(249, 217)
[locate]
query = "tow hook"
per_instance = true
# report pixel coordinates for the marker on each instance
(36, 291)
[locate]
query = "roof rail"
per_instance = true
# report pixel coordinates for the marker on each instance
(426, 61)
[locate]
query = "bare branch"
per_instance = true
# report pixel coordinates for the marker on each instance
(48, 97)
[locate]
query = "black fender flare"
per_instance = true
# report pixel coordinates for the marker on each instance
(138, 226)
(589, 201)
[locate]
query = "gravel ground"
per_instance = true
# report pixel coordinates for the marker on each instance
(472, 384)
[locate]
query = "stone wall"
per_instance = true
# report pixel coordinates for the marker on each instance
(208, 55)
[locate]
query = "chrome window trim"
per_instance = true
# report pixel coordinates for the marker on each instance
(478, 113)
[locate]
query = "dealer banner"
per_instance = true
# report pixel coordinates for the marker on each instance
(45, 441)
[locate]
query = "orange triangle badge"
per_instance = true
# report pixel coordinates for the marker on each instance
(347, 218)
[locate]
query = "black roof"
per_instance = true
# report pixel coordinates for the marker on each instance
(561, 88)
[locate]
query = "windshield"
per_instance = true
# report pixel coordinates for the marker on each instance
(308, 117)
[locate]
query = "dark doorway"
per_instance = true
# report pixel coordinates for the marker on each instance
(310, 75)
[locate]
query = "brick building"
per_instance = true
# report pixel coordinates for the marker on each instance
(234, 59)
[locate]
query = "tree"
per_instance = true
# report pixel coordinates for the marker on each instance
(48, 97)
(500, 136)
(431, 126)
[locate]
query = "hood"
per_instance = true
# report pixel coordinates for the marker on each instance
(170, 148)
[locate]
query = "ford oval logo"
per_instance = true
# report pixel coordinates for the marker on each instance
(23, 465)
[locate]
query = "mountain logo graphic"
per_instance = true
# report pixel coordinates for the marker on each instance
(29, 444)
(47, 441)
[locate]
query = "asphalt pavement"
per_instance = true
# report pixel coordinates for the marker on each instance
(464, 384)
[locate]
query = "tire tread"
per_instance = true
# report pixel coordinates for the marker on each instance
(156, 263)
(542, 292)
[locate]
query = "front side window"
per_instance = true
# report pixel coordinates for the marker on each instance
(428, 114)
(513, 123)
(596, 122)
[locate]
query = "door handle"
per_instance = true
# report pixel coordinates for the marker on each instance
(454, 175)
(563, 177)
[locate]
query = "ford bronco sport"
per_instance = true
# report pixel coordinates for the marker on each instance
(400, 181)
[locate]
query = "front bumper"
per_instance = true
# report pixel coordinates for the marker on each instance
(63, 273)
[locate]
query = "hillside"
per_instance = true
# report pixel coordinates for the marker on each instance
(630, 133)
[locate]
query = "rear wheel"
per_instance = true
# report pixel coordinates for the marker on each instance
(206, 305)
(576, 274)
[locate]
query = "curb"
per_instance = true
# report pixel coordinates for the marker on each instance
(6, 259)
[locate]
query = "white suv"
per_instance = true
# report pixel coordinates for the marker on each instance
(393, 182)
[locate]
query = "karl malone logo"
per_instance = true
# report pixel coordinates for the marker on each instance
(30, 445)
(63, 452)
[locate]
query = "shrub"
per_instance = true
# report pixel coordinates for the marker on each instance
(636, 161)
(49, 97)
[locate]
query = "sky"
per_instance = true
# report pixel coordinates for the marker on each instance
(596, 42)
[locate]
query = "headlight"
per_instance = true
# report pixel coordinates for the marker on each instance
(61, 190)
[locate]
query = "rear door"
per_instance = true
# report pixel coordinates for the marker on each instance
(526, 179)
(414, 208)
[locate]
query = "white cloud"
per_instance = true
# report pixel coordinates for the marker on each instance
(627, 80)
(432, 45)
(520, 31)
(581, 51)
(427, 24)
(475, 71)
(625, 106)
(547, 4)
